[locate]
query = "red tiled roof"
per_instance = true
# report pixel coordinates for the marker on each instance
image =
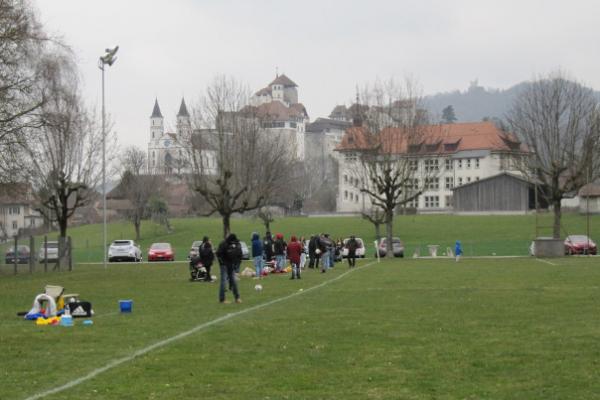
(446, 138)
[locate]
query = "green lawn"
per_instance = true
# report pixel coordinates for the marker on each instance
(515, 328)
(480, 235)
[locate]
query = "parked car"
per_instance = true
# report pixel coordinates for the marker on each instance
(194, 249)
(161, 252)
(22, 256)
(397, 247)
(360, 251)
(580, 244)
(245, 251)
(124, 250)
(49, 251)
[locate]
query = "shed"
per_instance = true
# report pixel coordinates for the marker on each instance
(504, 192)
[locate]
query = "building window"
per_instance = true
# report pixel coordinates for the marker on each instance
(460, 163)
(345, 195)
(449, 164)
(413, 165)
(477, 163)
(432, 183)
(476, 178)
(414, 203)
(468, 179)
(345, 178)
(351, 196)
(431, 165)
(448, 201)
(356, 199)
(460, 181)
(432, 201)
(468, 163)
(15, 225)
(449, 182)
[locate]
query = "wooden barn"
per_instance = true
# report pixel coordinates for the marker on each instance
(504, 192)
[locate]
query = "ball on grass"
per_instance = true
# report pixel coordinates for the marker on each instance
(258, 287)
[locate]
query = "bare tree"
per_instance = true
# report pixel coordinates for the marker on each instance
(63, 156)
(376, 216)
(389, 138)
(559, 120)
(21, 44)
(265, 214)
(137, 186)
(236, 167)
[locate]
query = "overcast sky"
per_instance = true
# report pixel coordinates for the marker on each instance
(170, 49)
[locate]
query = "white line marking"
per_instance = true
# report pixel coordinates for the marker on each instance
(546, 261)
(165, 342)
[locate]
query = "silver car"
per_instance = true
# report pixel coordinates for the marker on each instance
(245, 251)
(48, 251)
(124, 250)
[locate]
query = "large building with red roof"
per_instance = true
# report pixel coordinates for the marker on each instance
(457, 154)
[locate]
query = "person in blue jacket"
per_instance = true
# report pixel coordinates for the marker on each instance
(457, 250)
(257, 254)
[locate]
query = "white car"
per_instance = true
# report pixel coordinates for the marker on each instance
(48, 251)
(124, 250)
(360, 251)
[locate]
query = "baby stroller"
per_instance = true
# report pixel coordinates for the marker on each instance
(197, 270)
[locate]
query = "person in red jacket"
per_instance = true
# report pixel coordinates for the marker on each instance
(294, 249)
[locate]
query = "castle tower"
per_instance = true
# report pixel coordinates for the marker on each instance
(184, 125)
(156, 122)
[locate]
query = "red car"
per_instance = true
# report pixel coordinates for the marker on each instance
(580, 244)
(161, 252)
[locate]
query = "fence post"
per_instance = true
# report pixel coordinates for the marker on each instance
(31, 254)
(15, 255)
(69, 249)
(45, 253)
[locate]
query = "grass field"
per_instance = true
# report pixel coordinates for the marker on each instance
(503, 328)
(480, 235)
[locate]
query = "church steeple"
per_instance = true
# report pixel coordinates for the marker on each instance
(156, 111)
(183, 112)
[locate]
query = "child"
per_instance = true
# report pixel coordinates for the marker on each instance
(457, 250)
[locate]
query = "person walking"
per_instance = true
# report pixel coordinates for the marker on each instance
(229, 254)
(326, 247)
(304, 252)
(279, 249)
(457, 250)
(294, 250)
(257, 254)
(207, 256)
(352, 245)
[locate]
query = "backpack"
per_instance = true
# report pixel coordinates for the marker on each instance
(279, 248)
(205, 252)
(233, 252)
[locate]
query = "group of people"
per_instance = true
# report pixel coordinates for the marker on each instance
(273, 251)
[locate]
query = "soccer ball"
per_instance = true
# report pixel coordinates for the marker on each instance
(258, 287)
(317, 251)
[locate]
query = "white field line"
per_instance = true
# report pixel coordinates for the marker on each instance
(117, 362)
(546, 261)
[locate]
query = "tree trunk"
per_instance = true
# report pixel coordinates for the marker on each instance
(377, 232)
(137, 224)
(389, 221)
(557, 216)
(62, 242)
(226, 225)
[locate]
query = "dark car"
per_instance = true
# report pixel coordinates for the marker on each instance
(22, 256)
(579, 244)
(397, 247)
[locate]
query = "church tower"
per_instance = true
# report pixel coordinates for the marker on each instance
(184, 125)
(156, 123)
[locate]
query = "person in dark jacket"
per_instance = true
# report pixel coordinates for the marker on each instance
(257, 254)
(279, 248)
(207, 256)
(229, 255)
(352, 244)
(268, 246)
(313, 257)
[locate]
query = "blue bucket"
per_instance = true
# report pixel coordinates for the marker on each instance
(126, 305)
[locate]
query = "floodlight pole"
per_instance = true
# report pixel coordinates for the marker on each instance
(108, 58)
